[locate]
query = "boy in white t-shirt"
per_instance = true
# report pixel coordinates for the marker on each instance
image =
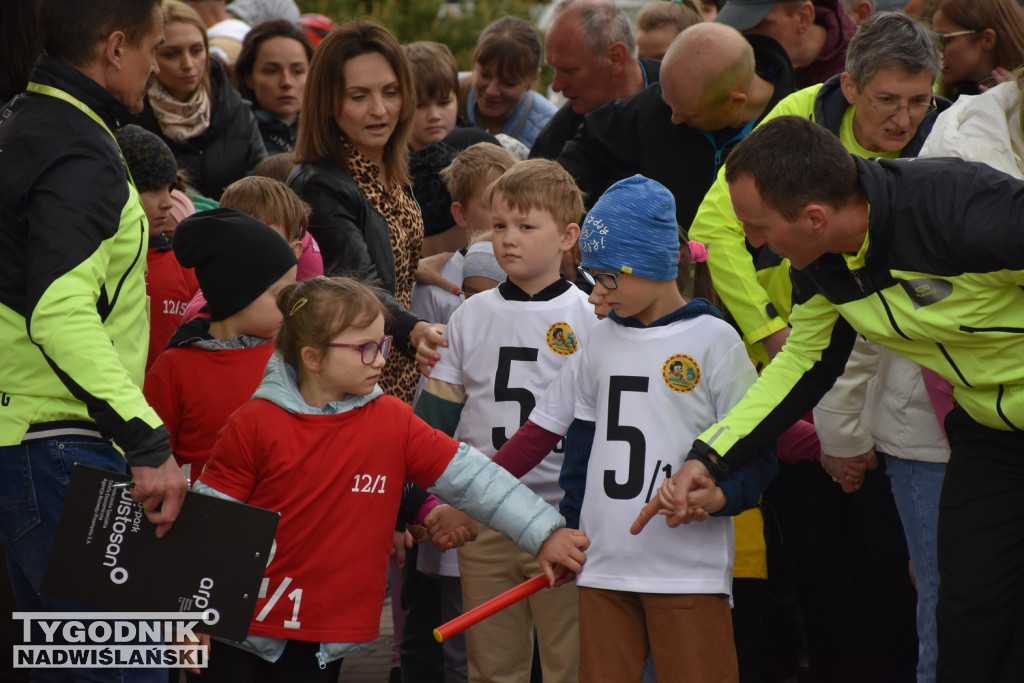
(652, 375)
(505, 347)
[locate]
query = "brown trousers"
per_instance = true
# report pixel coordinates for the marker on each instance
(690, 637)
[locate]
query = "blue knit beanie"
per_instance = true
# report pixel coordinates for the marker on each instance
(632, 228)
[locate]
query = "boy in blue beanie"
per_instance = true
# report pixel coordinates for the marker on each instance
(657, 370)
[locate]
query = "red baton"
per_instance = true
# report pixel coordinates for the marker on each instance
(496, 604)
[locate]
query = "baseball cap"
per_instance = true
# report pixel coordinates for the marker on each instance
(745, 14)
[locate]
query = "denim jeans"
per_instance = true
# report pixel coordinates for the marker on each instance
(33, 481)
(916, 486)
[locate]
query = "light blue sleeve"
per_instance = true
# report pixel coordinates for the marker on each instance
(492, 496)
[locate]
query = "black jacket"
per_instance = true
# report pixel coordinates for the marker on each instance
(354, 237)
(564, 124)
(636, 135)
(226, 151)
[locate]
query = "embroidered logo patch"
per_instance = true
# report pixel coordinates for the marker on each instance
(680, 372)
(925, 291)
(561, 339)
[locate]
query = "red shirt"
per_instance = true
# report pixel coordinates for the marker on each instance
(337, 482)
(195, 391)
(170, 286)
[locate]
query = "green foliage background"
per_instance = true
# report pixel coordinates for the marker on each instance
(455, 24)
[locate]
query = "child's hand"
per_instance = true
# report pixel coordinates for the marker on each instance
(673, 499)
(707, 497)
(418, 533)
(399, 542)
(564, 548)
(450, 528)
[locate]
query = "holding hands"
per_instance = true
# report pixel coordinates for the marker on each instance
(849, 472)
(450, 528)
(690, 495)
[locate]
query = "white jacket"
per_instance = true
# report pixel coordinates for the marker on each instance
(880, 402)
(984, 128)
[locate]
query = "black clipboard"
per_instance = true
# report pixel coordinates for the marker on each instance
(106, 554)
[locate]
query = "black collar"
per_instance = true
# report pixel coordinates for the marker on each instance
(512, 292)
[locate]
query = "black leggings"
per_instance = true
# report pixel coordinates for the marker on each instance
(298, 664)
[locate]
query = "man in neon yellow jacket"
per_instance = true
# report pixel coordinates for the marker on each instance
(73, 307)
(925, 257)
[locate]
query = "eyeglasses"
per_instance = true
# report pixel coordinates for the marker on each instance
(607, 280)
(942, 38)
(889, 107)
(368, 351)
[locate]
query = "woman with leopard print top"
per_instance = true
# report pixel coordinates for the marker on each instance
(352, 169)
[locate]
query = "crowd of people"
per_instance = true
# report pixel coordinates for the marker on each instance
(722, 334)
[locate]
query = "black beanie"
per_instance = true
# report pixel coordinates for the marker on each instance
(236, 257)
(148, 157)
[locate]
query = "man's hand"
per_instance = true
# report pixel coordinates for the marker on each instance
(849, 473)
(450, 528)
(564, 547)
(425, 338)
(774, 342)
(161, 490)
(673, 498)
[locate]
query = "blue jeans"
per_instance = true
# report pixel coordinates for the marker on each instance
(33, 481)
(916, 486)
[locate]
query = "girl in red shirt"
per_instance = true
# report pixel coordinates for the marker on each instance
(322, 444)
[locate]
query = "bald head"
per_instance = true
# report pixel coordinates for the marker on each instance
(705, 66)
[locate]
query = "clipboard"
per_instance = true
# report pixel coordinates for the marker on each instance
(106, 554)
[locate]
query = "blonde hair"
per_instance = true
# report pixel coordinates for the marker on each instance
(270, 201)
(320, 308)
(476, 162)
(179, 13)
(319, 135)
(433, 70)
(540, 184)
(681, 15)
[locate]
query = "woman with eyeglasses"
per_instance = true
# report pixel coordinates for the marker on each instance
(982, 41)
(881, 106)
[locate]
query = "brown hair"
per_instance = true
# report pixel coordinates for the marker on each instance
(71, 31)
(433, 70)
(541, 184)
(513, 46)
(694, 279)
(276, 166)
(795, 162)
(1005, 17)
(179, 13)
(475, 163)
(270, 201)
(254, 39)
(681, 15)
(319, 135)
(320, 308)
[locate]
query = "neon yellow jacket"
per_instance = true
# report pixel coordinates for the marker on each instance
(939, 279)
